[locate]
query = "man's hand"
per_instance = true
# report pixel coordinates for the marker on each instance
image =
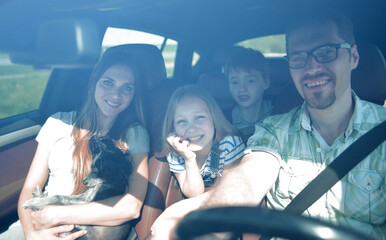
(164, 226)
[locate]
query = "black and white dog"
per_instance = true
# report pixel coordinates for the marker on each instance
(110, 170)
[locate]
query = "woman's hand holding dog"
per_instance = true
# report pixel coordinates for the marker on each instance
(46, 218)
(53, 233)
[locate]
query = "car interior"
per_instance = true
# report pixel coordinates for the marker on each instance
(67, 38)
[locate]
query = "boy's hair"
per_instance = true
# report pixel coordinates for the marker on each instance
(223, 128)
(315, 18)
(247, 59)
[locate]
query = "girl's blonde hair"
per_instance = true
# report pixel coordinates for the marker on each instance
(223, 128)
(86, 120)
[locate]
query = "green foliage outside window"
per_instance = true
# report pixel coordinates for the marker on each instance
(21, 87)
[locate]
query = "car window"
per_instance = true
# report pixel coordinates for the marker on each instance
(118, 36)
(21, 87)
(270, 46)
(195, 59)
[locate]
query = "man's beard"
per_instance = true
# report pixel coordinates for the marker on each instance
(316, 99)
(320, 102)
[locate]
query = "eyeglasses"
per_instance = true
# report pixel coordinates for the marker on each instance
(322, 54)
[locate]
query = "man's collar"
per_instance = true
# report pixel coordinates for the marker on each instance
(304, 121)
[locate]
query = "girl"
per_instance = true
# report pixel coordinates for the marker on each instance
(113, 110)
(200, 141)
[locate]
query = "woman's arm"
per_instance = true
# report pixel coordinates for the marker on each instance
(109, 212)
(37, 176)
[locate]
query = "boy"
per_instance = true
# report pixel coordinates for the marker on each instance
(248, 77)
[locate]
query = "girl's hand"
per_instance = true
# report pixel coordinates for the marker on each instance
(45, 218)
(53, 233)
(181, 146)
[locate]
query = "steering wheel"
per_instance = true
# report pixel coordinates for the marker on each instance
(260, 221)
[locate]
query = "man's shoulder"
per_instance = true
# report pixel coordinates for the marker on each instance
(375, 109)
(369, 113)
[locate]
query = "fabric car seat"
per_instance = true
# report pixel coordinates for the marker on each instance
(369, 78)
(162, 191)
(368, 81)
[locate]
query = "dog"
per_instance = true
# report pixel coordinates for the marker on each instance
(110, 171)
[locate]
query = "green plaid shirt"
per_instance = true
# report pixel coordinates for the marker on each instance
(359, 199)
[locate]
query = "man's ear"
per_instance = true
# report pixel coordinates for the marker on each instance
(354, 57)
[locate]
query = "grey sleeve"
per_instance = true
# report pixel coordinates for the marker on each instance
(138, 139)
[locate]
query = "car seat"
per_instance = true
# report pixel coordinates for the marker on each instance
(368, 81)
(162, 191)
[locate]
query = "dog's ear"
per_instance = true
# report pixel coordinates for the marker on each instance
(109, 145)
(95, 144)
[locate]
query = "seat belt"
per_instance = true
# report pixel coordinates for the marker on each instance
(336, 170)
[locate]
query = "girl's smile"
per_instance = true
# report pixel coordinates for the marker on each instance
(193, 122)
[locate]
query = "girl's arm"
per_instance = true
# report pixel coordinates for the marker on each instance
(37, 176)
(190, 181)
(109, 212)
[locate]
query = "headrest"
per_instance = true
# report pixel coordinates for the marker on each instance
(150, 59)
(223, 55)
(368, 80)
(217, 85)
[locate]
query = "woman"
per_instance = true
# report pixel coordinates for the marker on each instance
(113, 110)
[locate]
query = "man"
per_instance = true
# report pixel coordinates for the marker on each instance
(287, 151)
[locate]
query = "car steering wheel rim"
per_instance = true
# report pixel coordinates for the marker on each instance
(260, 221)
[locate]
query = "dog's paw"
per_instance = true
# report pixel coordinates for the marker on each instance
(35, 204)
(37, 193)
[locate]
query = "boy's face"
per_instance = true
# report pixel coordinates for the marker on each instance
(247, 87)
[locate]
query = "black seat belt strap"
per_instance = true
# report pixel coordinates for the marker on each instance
(346, 161)
(334, 172)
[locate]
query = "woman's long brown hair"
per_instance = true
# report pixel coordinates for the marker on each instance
(86, 120)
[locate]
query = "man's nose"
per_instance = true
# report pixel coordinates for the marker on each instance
(312, 65)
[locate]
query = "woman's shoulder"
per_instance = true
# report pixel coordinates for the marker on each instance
(57, 126)
(138, 139)
(137, 129)
(66, 117)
